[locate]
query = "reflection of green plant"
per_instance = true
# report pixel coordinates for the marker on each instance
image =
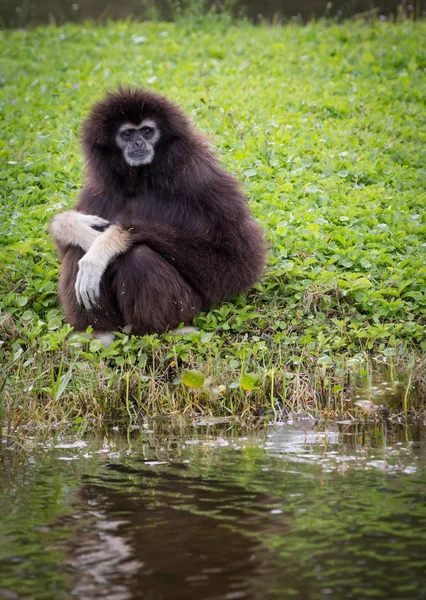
(323, 125)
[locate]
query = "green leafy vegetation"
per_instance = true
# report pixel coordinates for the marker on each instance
(325, 127)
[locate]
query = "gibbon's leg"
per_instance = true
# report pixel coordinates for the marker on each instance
(151, 294)
(105, 316)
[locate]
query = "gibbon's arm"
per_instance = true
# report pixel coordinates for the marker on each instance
(202, 262)
(72, 228)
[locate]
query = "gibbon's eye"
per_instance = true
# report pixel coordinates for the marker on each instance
(147, 131)
(127, 134)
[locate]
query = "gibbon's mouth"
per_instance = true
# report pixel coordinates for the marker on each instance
(137, 158)
(138, 154)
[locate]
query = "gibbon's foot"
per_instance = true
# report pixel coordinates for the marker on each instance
(104, 337)
(72, 340)
(107, 338)
(184, 330)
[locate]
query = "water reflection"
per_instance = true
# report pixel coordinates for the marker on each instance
(291, 511)
(171, 536)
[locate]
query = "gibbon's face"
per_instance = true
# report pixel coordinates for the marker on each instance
(137, 142)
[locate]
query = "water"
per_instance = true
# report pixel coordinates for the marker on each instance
(214, 511)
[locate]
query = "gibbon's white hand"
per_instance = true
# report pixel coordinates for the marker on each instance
(87, 285)
(110, 244)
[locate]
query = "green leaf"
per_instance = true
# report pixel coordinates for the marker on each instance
(27, 315)
(193, 379)
(18, 354)
(325, 360)
(389, 352)
(95, 345)
(22, 300)
(63, 384)
(206, 337)
(249, 382)
(54, 323)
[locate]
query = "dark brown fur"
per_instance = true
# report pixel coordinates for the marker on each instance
(195, 242)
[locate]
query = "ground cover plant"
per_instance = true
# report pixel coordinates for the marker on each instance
(325, 127)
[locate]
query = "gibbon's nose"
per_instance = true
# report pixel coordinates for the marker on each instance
(139, 144)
